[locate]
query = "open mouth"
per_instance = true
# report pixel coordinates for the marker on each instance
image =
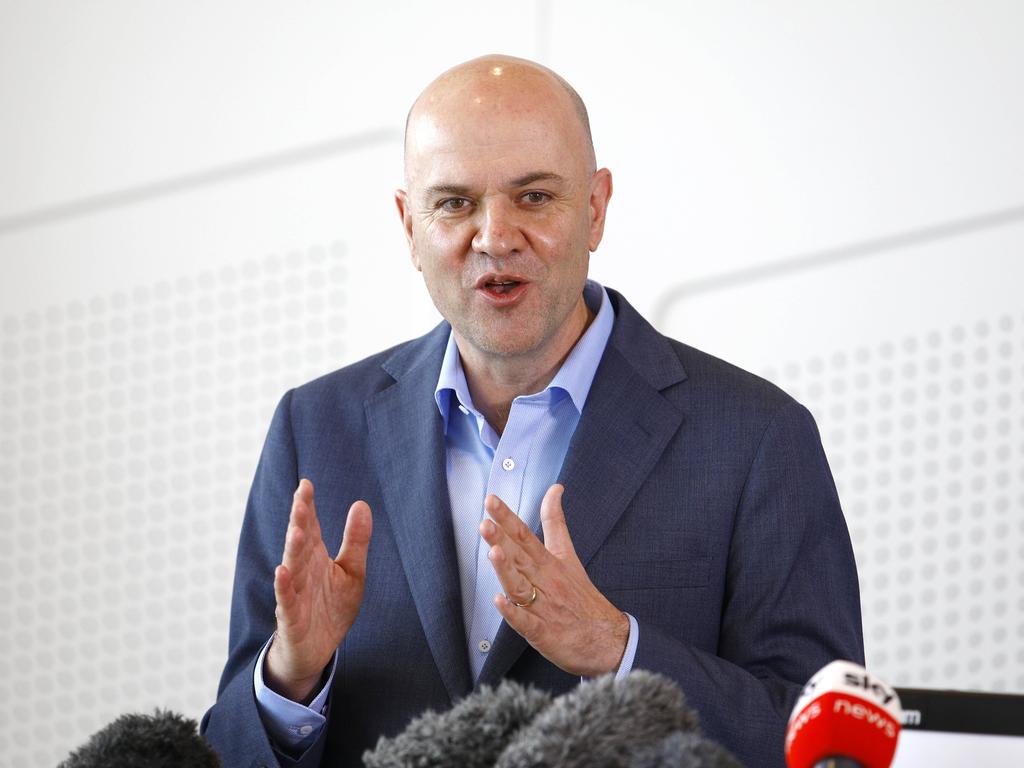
(502, 289)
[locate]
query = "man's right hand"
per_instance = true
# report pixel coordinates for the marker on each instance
(317, 598)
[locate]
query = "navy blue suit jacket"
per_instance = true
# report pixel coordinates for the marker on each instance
(698, 498)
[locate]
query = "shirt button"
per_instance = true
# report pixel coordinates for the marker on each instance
(484, 646)
(305, 730)
(508, 465)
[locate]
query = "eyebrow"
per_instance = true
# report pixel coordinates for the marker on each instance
(531, 178)
(446, 189)
(521, 181)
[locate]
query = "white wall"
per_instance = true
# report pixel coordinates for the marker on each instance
(195, 214)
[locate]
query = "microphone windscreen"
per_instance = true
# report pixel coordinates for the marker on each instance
(601, 723)
(471, 734)
(161, 740)
(687, 749)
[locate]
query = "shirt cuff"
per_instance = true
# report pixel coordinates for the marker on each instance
(291, 725)
(626, 665)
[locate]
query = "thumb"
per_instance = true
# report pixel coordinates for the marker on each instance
(356, 541)
(552, 520)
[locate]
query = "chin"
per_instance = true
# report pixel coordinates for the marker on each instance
(503, 342)
(517, 333)
(504, 347)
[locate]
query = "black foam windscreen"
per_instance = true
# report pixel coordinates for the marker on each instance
(161, 740)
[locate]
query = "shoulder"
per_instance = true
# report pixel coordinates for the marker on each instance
(353, 384)
(742, 409)
(693, 379)
(716, 380)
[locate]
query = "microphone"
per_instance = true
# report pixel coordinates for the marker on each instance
(638, 721)
(471, 734)
(844, 718)
(684, 749)
(161, 740)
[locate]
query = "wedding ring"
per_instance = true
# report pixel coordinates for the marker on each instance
(528, 603)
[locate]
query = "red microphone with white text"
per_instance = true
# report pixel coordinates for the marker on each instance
(845, 717)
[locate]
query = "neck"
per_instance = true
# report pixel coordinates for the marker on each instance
(496, 380)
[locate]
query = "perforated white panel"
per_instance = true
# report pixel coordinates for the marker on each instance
(130, 426)
(925, 436)
(912, 362)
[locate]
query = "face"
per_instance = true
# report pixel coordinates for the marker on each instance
(501, 213)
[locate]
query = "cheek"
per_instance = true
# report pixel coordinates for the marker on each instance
(563, 245)
(441, 255)
(442, 242)
(550, 235)
(548, 241)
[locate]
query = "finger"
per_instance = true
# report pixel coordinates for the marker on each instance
(314, 518)
(284, 594)
(303, 534)
(297, 555)
(305, 489)
(300, 514)
(513, 580)
(552, 521)
(516, 530)
(514, 560)
(305, 497)
(355, 542)
(522, 620)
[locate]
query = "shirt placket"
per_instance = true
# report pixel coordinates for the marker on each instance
(506, 480)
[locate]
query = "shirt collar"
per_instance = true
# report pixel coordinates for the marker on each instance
(574, 377)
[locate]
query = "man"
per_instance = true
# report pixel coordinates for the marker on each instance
(689, 520)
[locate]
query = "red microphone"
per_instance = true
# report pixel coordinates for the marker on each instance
(844, 715)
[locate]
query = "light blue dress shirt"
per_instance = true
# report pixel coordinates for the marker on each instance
(518, 466)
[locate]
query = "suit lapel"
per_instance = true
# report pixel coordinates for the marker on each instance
(615, 447)
(625, 426)
(407, 444)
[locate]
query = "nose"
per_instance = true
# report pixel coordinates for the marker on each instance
(499, 233)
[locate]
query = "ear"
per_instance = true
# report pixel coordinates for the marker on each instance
(600, 194)
(402, 203)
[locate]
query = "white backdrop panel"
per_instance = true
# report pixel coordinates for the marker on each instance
(195, 214)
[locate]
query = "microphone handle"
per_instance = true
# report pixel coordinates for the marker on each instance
(837, 762)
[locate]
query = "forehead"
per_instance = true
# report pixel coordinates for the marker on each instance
(477, 129)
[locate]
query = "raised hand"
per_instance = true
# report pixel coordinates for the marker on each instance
(318, 598)
(567, 619)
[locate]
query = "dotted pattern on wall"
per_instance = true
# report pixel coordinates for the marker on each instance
(926, 441)
(130, 427)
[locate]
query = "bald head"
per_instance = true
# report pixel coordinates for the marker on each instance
(496, 86)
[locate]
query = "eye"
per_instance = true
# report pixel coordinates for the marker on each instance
(453, 204)
(535, 198)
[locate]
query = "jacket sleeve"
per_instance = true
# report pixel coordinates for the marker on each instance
(792, 601)
(233, 725)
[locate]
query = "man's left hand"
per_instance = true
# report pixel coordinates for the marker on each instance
(569, 622)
